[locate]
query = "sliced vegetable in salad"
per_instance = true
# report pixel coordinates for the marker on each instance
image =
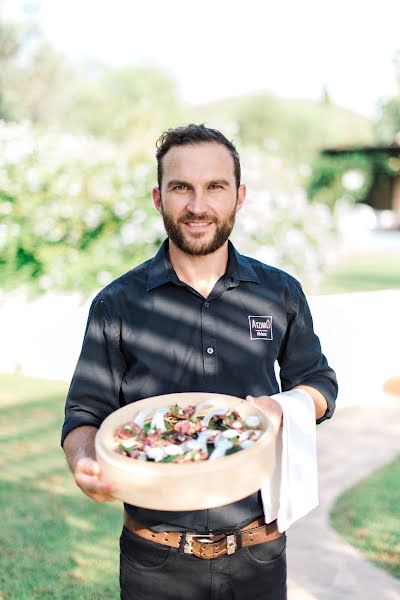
(177, 434)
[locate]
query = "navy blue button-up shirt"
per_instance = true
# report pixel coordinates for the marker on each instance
(148, 333)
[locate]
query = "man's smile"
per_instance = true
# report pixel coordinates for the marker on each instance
(199, 225)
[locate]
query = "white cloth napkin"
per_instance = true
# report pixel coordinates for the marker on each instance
(292, 491)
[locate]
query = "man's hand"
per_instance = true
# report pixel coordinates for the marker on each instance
(81, 457)
(271, 408)
(87, 476)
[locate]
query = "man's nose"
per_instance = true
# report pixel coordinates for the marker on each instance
(197, 203)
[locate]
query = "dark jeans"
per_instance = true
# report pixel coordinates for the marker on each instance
(150, 571)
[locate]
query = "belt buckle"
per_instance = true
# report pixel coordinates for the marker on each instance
(231, 544)
(188, 547)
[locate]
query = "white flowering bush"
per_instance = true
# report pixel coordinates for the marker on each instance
(279, 226)
(76, 212)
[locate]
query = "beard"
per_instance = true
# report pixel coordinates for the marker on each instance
(193, 245)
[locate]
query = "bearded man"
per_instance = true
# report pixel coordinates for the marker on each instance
(180, 323)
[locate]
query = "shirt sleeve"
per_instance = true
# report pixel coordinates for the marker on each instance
(95, 386)
(300, 358)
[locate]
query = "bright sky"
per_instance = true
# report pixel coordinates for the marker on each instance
(221, 48)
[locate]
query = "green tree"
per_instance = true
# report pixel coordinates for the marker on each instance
(38, 84)
(387, 126)
(124, 103)
(326, 99)
(12, 39)
(33, 76)
(343, 176)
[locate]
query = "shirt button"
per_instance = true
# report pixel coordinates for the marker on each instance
(210, 350)
(206, 304)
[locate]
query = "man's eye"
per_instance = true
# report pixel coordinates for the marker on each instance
(181, 186)
(215, 186)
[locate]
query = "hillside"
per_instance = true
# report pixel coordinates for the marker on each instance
(295, 129)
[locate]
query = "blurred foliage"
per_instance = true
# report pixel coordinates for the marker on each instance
(74, 211)
(328, 182)
(347, 176)
(351, 175)
(294, 129)
(140, 101)
(387, 126)
(75, 208)
(33, 76)
(133, 102)
(38, 84)
(278, 225)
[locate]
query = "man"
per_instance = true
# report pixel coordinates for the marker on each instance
(187, 321)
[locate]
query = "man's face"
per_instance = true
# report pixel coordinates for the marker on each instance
(198, 199)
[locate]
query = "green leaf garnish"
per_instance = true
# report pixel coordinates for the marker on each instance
(233, 450)
(124, 450)
(168, 459)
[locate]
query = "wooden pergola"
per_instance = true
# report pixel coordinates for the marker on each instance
(384, 193)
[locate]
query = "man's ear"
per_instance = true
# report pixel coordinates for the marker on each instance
(241, 195)
(156, 198)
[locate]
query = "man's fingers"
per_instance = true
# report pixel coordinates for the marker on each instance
(93, 484)
(94, 488)
(88, 478)
(88, 466)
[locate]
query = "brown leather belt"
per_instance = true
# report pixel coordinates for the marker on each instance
(208, 545)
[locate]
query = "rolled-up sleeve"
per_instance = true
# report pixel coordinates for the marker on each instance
(95, 386)
(301, 360)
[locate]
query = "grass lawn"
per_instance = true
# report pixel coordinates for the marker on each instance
(364, 272)
(368, 516)
(54, 541)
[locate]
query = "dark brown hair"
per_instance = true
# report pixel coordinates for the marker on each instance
(193, 134)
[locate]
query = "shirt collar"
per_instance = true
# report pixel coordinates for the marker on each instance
(239, 267)
(161, 270)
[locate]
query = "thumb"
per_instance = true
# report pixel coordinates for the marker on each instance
(250, 399)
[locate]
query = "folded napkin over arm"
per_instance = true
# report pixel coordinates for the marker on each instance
(293, 490)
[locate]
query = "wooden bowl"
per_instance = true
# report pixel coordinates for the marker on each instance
(186, 486)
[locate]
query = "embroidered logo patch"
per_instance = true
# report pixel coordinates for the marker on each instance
(260, 327)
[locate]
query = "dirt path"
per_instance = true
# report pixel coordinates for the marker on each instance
(321, 565)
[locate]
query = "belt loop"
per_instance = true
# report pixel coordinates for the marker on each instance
(182, 542)
(238, 535)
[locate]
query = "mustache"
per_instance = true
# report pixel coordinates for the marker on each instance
(196, 218)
